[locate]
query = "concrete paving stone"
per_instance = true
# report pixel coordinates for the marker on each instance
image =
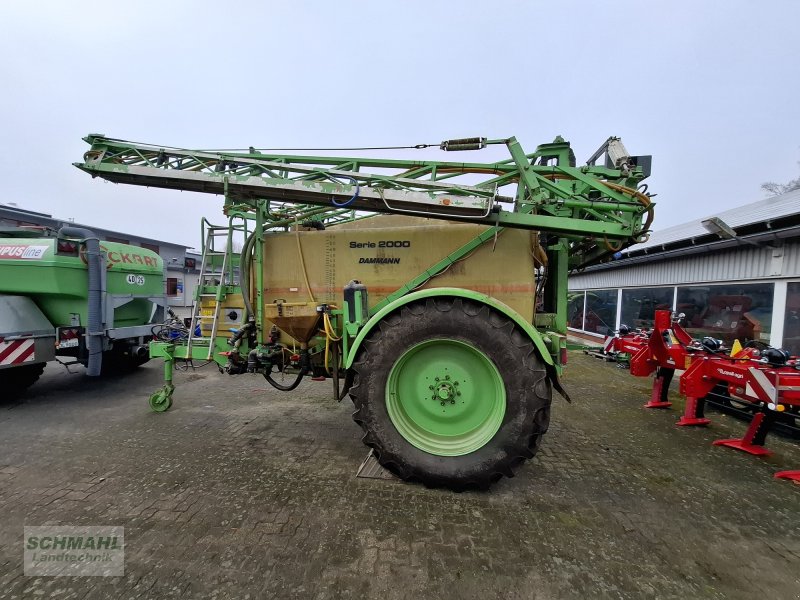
(240, 491)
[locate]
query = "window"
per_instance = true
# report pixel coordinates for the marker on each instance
(639, 305)
(601, 311)
(728, 312)
(600, 314)
(151, 247)
(110, 238)
(575, 309)
(791, 320)
(172, 286)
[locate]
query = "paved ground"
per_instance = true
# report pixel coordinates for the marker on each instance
(242, 492)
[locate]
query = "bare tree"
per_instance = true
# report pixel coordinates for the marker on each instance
(776, 189)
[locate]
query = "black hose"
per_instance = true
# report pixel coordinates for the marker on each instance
(305, 368)
(291, 386)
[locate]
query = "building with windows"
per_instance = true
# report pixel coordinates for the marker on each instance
(734, 275)
(181, 265)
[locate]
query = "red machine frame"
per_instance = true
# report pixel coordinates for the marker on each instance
(772, 387)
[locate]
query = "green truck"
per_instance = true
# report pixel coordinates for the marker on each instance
(65, 295)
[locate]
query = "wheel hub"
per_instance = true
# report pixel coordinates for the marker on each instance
(445, 391)
(445, 397)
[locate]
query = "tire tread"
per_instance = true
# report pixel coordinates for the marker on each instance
(504, 328)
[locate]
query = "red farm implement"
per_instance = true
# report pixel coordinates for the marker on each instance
(768, 379)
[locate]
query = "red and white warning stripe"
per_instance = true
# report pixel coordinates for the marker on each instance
(16, 352)
(760, 386)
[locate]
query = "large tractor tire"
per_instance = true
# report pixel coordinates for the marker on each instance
(16, 380)
(450, 392)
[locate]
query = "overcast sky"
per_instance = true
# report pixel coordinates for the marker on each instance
(710, 89)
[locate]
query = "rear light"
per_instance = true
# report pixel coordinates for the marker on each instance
(68, 337)
(563, 356)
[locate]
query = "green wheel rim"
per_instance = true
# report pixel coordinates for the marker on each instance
(161, 401)
(445, 397)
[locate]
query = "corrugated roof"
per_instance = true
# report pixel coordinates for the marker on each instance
(40, 218)
(769, 209)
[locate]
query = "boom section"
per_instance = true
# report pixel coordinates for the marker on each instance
(598, 208)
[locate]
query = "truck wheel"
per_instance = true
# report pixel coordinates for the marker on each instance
(116, 362)
(16, 380)
(451, 393)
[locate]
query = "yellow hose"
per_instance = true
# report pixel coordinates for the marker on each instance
(643, 199)
(329, 331)
(302, 260)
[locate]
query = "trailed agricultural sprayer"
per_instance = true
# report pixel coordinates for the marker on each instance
(433, 293)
